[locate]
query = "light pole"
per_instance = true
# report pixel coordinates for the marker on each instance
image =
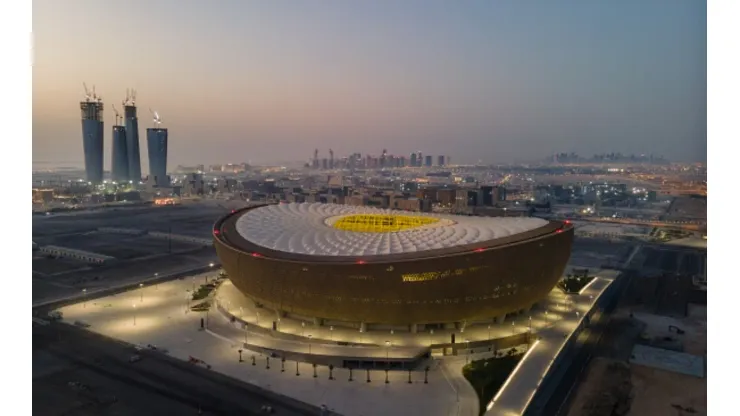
(331, 333)
(489, 331)
(211, 266)
(530, 324)
(156, 283)
(84, 298)
(303, 329)
(141, 289)
(513, 330)
(134, 305)
(309, 344)
(431, 334)
(240, 356)
(467, 357)
(246, 332)
(387, 359)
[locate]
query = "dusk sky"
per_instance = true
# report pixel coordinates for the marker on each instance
(268, 81)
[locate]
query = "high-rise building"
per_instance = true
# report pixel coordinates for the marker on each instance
(412, 159)
(92, 137)
(419, 159)
(132, 139)
(119, 157)
(428, 161)
(488, 195)
(440, 160)
(157, 145)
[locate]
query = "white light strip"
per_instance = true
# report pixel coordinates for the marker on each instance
(511, 376)
(562, 346)
(583, 289)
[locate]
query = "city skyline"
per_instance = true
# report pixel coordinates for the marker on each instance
(268, 82)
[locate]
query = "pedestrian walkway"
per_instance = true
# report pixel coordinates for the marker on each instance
(514, 396)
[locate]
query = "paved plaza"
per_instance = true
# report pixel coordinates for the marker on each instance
(160, 315)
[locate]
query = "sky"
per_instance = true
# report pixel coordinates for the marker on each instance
(269, 81)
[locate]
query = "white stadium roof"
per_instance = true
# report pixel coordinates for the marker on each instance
(307, 228)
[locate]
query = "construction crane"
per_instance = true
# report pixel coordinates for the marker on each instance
(87, 92)
(157, 119)
(119, 119)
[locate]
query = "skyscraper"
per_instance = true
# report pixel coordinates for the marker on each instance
(119, 158)
(92, 136)
(440, 160)
(156, 139)
(132, 137)
(119, 152)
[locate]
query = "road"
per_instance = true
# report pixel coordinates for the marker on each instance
(184, 385)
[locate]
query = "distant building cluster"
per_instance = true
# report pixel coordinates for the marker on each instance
(125, 153)
(384, 160)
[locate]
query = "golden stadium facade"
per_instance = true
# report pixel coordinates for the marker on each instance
(367, 266)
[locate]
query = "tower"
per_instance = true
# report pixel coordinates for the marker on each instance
(119, 149)
(156, 139)
(92, 135)
(132, 136)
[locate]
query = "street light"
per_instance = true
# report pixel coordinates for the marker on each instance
(331, 333)
(530, 324)
(309, 343)
(156, 283)
(489, 331)
(467, 357)
(303, 329)
(141, 289)
(84, 298)
(387, 360)
(512, 328)
(134, 305)
(246, 332)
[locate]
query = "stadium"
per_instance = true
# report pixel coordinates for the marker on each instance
(372, 268)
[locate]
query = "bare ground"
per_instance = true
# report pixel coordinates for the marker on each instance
(662, 393)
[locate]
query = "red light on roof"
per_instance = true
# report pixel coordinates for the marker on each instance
(478, 250)
(360, 261)
(559, 230)
(567, 221)
(233, 211)
(217, 232)
(256, 255)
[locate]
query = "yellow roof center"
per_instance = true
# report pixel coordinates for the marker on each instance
(381, 223)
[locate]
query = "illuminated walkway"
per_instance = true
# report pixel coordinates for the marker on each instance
(515, 395)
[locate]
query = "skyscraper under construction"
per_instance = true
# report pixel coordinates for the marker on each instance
(156, 139)
(92, 136)
(132, 137)
(119, 156)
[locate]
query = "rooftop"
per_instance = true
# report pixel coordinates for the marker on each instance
(341, 230)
